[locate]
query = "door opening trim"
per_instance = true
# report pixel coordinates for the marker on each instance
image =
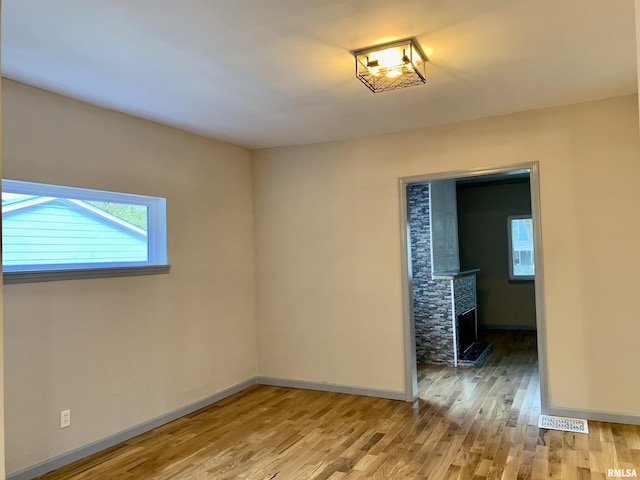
(411, 382)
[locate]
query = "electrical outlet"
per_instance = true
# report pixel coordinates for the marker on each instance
(65, 418)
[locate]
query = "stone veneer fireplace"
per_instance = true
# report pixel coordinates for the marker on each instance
(444, 303)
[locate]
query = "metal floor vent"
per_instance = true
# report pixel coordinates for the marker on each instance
(563, 423)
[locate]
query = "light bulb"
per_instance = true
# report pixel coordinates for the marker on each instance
(394, 72)
(386, 58)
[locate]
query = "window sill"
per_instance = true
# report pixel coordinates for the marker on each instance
(522, 279)
(10, 278)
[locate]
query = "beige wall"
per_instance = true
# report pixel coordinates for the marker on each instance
(329, 271)
(120, 351)
(2, 448)
(125, 350)
(637, 8)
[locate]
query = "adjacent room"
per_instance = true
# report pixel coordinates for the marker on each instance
(319, 240)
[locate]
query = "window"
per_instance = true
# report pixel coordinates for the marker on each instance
(52, 232)
(521, 259)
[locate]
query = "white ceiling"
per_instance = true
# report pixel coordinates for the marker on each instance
(262, 73)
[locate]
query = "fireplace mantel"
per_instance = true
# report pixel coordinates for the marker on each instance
(454, 275)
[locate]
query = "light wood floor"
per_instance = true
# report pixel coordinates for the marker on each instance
(467, 424)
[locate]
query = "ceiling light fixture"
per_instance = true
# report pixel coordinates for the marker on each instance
(391, 65)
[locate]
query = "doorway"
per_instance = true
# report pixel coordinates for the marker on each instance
(530, 169)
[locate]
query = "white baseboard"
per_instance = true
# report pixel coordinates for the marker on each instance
(482, 326)
(596, 416)
(331, 387)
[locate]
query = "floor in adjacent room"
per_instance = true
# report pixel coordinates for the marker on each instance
(467, 423)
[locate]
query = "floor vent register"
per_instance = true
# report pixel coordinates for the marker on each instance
(565, 424)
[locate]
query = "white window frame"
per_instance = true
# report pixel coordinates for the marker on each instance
(156, 237)
(512, 275)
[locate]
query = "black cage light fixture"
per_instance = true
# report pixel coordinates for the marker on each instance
(392, 65)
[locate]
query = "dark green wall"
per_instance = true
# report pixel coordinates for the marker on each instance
(482, 229)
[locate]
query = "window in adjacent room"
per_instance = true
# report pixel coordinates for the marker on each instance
(521, 255)
(48, 229)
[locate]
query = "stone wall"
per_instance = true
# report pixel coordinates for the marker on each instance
(432, 299)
